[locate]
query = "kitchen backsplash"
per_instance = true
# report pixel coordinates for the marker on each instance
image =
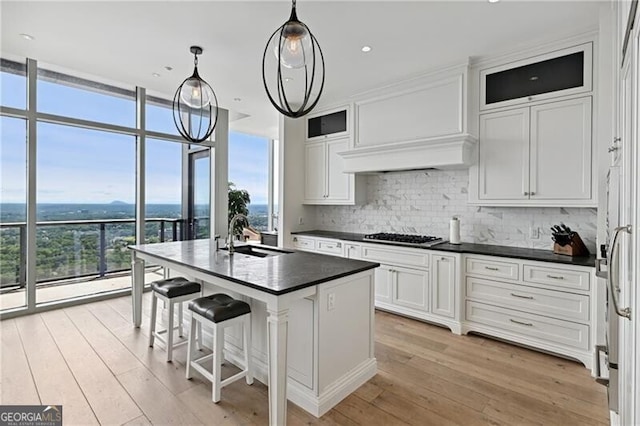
(423, 202)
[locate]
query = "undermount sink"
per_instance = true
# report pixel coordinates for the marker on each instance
(257, 251)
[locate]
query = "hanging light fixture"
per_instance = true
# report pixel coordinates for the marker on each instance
(293, 68)
(195, 106)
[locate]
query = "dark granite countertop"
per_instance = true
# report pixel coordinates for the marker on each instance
(484, 249)
(284, 273)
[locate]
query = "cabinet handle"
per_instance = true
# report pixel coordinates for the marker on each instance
(528, 324)
(522, 297)
(532, 193)
(555, 277)
(617, 139)
(526, 193)
(339, 245)
(295, 239)
(613, 149)
(444, 259)
(491, 268)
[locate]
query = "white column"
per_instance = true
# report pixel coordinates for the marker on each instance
(277, 322)
(137, 284)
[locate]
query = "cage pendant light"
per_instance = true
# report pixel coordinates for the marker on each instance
(293, 68)
(195, 105)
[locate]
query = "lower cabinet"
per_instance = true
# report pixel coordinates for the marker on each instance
(384, 280)
(539, 304)
(443, 285)
(410, 288)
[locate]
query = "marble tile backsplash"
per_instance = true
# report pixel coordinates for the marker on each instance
(423, 202)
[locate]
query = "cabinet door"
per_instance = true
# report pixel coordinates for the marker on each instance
(353, 251)
(339, 184)
(561, 150)
(443, 285)
(504, 155)
(410, 288)
(315, 178)
(383, 284)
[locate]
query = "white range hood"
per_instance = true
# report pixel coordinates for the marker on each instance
(416, 124)
(450, 152)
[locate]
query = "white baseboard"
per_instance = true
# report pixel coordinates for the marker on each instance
(305, 397)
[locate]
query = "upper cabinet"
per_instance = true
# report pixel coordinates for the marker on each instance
(328, 133)
(325, 180)
(535, 144)
(559, 73)
(333, 123)
(537, 155)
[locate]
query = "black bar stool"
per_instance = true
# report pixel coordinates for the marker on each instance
(171, 291)
(219, 311)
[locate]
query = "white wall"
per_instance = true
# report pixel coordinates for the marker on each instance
(291, 190)
(423, 202)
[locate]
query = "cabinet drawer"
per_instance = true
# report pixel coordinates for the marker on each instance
(396, 256)
(304, 243)
(569, 306)
(329, 247)
(555, 331)
(552, 277)
(492, 268)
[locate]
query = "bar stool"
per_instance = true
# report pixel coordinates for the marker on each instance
(171, 291)
(219, 311)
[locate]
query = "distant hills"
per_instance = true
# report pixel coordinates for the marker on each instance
(118, 203)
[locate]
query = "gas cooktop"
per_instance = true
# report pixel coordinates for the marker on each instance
(404, 239)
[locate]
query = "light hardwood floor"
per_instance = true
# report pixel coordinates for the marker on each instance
(92, 361)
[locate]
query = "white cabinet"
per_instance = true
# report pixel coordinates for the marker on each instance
(325, 180)
(443, 285)
(561, 150)
(410, 288)
(315, 172)
(539, 304)
(383, 284)
(504, 155)
(538, 155)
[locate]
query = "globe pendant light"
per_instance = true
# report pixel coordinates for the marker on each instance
(195, 106)
(293, 68)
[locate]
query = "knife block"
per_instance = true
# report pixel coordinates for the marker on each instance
(575, 247)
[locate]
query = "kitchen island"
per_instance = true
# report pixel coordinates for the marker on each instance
(312, 315)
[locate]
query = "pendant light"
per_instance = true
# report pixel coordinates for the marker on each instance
(195, 106)
(293, 68)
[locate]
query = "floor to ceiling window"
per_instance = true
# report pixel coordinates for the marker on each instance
(251, 168)
(68, 180)
(13, 202)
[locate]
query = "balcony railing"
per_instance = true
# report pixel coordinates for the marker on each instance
(167, 229)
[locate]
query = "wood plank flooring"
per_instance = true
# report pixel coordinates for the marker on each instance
(90, 359)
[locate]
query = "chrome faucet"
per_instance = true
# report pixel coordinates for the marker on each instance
(232, 225)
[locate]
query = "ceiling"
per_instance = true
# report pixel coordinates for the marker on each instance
(126, 42)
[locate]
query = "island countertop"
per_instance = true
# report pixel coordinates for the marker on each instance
(293, 270)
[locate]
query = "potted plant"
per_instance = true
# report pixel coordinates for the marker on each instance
(238, 201)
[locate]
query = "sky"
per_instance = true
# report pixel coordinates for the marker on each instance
(87, 166)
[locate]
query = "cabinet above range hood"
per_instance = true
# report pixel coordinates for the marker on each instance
(416, 124)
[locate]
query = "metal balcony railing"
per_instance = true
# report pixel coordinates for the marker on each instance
(176, 228)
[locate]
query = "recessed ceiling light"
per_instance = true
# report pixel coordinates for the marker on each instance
(27, 36)
(366, 49)
(168, 68)
(493, 1)
(237, 99)
(155, 74)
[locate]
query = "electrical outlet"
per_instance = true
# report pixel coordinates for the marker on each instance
(301, 220)
(331, 301)
(534, 232)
